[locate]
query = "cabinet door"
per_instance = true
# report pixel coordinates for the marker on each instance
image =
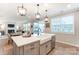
(36, 51)
(43, 49)
(27, 51)
(32, 49)
(48, 46)
(53, 41)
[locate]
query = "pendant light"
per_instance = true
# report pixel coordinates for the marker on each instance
(46, 17)
(21, 10)
(37, 14)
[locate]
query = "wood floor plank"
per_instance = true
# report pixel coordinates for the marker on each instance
(64, 49)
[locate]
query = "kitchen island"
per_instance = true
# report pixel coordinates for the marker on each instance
(34, 45)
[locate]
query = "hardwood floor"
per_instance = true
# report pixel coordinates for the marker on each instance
(64, 49)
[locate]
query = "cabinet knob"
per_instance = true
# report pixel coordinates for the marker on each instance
(32, 45)
(46, 46)
(32, 48)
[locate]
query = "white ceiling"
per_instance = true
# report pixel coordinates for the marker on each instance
(8, 11)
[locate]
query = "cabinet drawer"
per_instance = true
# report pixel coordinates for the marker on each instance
(53, 41)
(32, 49)
(53, 38)
(45, 48)
(32, 45)
(48, 46)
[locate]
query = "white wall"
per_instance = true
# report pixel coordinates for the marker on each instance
(12, 20)
(72, 39)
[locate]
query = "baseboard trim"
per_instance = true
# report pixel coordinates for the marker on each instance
(75, 45)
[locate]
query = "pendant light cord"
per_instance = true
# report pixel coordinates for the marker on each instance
(37, 8)
(46, 12)
(22, 5)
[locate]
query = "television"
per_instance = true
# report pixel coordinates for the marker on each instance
(11, 25)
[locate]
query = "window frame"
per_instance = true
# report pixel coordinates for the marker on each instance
(61, 32)
(41, 22)
(26, 25)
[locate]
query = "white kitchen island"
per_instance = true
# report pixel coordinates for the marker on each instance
(33, 45)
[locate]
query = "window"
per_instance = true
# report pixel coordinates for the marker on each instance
(63, 24)
(26, 26)
(56, 26)
(38, 27)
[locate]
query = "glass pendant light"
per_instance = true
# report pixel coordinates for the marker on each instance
(37, 14)
(46, 17)
(21, 10)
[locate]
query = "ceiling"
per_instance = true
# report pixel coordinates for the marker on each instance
(8, 11)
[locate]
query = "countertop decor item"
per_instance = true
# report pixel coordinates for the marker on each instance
(27, 34)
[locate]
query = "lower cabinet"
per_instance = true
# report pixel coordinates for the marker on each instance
(53, 38)
(48, 47)
(35, 48)
(32, 49)
(45, 48)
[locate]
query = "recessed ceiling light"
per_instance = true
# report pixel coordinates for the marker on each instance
(69, 5)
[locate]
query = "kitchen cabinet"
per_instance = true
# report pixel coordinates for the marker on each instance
(47, 45)
(42, 49)
(53, 38)
(45, 48)
(32, 49)
(34, 45)
(29, 49)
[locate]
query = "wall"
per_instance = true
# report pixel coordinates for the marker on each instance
(72, 39)
(17, 20)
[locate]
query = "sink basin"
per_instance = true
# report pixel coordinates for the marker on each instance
(35, 35)
(42, 36)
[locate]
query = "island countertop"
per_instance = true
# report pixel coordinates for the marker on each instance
(21, 41)
(45, 37)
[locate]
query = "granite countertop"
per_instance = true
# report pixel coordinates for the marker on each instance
(21, 41)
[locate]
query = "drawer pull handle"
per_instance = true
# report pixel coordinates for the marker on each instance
(32, 44)
(46, 46)
(32, 48)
